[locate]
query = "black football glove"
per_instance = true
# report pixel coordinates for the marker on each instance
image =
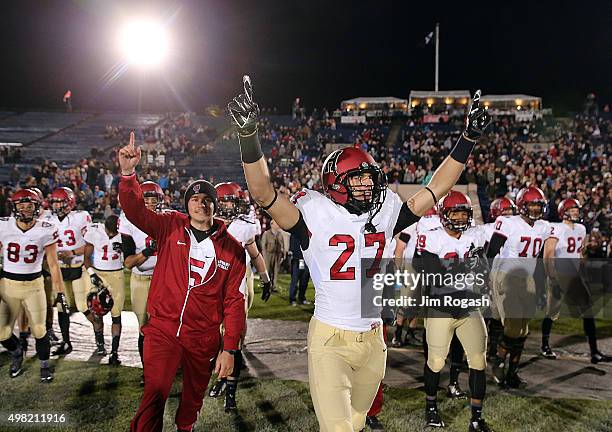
(477, 119)
(117, 247)
(96, 281)
(266, 290)
(150, 250)
(244, 111)
(61, 299)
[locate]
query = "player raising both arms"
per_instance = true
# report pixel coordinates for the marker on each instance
(355, 217)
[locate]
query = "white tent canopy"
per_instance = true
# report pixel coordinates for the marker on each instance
(439, 94)
(510, 97)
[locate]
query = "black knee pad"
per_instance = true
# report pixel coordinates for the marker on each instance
(478, 384)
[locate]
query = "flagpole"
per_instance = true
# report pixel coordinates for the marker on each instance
(437, 53)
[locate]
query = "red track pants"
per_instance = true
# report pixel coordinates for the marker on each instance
(163, 354)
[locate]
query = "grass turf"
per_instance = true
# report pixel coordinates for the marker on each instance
(102, 398)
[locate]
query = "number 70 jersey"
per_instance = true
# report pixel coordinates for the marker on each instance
(338, 243)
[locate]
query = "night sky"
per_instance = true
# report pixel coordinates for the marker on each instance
(322, 51)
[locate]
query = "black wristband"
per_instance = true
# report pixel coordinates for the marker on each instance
(462, 150)
(250, 148)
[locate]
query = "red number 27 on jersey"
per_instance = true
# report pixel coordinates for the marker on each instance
(371, 239)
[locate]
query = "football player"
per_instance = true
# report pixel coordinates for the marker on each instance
(140, 252)
(562, 253)
(233, 211)
(71, 225)
(515, 245)
(355, 217)
(25, 241)
(104, 264)
(404, 252)
(499, 207)
(439, 251)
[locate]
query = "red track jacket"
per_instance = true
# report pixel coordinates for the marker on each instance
(172, 305)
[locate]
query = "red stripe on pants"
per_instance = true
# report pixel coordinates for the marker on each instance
(377, 405)
(163, 353)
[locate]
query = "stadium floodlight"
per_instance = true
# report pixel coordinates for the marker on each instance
(144, 43)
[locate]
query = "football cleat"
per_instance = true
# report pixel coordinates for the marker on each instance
(433, 419)
(218, 388)
(598, 357)
(374, 423)
(395, 343)
(113, 360)
(513, 380)
(548, 353)
(480, 426)
(52, 337)
(16, 363)
(100, 350)
(499, 374)
(230, 402)
(64, 348)
(46, 375)
(453, 391)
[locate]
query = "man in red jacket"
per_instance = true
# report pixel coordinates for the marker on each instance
(195, 287)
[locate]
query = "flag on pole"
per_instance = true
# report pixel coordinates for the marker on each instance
(429, 38)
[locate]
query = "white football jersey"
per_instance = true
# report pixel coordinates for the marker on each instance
(23, 252)
(338, 243)
(71, 231)
(484, 232)
(142, 241)
(107, 253)
(570, 239)
(523, 242)
(244, 231)
(447, 247)
(410, 246)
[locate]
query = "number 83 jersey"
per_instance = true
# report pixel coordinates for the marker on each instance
(338, 244)
(23, 252)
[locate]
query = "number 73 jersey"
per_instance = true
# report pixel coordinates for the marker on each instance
(23, 252)
(338, 244)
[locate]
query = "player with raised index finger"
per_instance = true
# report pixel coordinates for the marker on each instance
(355, 218)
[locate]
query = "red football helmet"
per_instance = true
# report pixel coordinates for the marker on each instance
(455, 201)
(26, 196)
(350, 162)
(152, 189)
(531, 195)
(100, 302)
(565, 206)
(65, 199)
(229, 197)
(245, 202)
(501, 207)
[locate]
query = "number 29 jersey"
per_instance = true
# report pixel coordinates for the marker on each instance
(338, 244)
(23, 252)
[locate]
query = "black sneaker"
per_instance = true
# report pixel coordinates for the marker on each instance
(113, 360)
(63, 349)
(499, 374)
(16, 363)
(453, 391)
(547, 352)
(598, 357)
(374, 423)
(218, 388)
(46, 375)
(433, 419)
(480, 426)
(513, 380)
(100, 349)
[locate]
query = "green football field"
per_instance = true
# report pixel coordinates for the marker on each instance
(101, 398)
